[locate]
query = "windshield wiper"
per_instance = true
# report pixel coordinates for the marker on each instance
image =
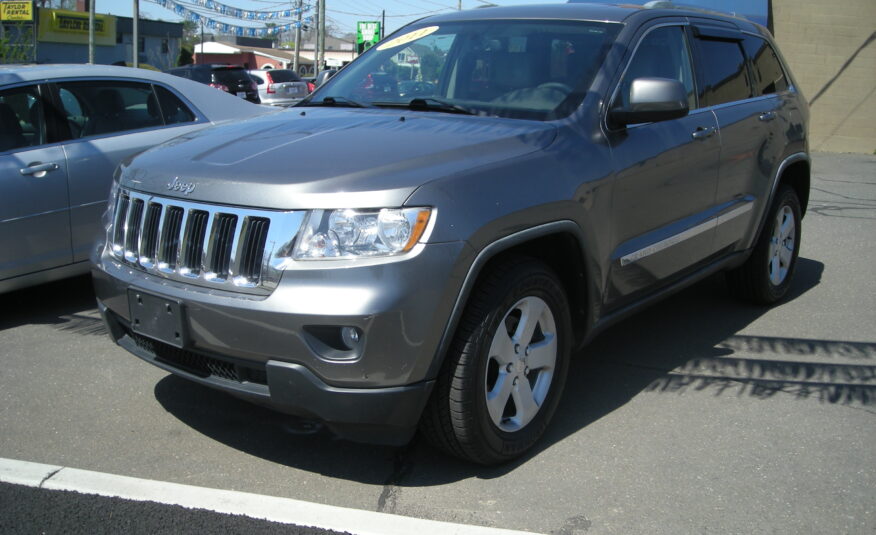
(341, 102)
(436, 104)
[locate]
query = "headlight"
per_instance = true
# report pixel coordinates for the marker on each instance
(360, 233)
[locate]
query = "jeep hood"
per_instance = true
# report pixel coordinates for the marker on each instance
(328, 158)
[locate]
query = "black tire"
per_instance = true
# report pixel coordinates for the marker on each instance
(765, 277)
(457, 418)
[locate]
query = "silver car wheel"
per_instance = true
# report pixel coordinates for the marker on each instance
(521, 363)
(781, 249)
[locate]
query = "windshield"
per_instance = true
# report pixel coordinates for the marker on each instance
(525, 69)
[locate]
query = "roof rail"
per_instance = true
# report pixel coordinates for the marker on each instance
(666, 4)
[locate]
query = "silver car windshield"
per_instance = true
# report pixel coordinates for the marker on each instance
(523, 69)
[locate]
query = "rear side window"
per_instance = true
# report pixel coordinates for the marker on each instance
(723, 72)
(768, 74)
(172, 108)
(105, 106)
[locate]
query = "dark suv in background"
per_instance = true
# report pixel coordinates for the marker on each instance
(229, 78)
(433, 261)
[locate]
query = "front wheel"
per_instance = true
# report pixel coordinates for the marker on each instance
(766, 276)
(505, 371)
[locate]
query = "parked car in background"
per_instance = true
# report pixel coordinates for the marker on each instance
(411, 88)
(229, 78)
(279, 87)
(324, 76)
(63, 131)
(575, 163)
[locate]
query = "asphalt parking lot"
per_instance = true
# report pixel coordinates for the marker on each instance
(701, 414)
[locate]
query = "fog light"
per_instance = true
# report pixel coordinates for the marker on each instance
(350, 337)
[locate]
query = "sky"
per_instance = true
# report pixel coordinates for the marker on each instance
(345, 13)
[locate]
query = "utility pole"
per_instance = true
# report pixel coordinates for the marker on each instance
(91, 31)
(201, 54)
(135, 45)
(382, 23)
(298, 37)
(321, 34)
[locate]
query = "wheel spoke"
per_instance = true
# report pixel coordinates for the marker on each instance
(502, 347)
(787, 224)
(524, 400)
(543, 355)
(785, 254)
(497, 398)
(776, 270)
(532, 310)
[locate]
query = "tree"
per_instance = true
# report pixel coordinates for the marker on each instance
(185, 56)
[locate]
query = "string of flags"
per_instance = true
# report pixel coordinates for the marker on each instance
(183, 10)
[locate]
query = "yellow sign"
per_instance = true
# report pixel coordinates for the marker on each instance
(408, 37)
(60, 26)
(18, 11)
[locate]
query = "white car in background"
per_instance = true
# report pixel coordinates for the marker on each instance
(279, 87)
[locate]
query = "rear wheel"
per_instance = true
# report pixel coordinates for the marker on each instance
(766, 276)
(502, 379)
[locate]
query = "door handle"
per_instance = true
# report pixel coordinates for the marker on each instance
(38, 169)
(703, 132)
(767, 116)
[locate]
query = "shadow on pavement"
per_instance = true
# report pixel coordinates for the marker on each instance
(685, 342)
(69, 304)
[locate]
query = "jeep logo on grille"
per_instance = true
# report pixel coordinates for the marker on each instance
(184, 187)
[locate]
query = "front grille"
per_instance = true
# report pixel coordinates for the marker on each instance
(211, 245)
(201, 365)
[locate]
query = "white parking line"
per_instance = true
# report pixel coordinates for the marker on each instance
(271, 508)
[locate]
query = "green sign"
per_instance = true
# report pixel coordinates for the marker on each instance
(367, 35)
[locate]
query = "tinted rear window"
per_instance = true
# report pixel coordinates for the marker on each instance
(283, 75)
(230, 76)
(768, 73)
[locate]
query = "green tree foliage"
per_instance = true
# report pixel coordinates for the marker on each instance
(185, 56)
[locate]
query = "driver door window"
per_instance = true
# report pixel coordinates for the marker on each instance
(663, 53)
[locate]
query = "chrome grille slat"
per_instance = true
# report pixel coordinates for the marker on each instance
(223, 236)
(133, 224)
(120, 224)
(149, 238)
(214, 246)
(191, 258)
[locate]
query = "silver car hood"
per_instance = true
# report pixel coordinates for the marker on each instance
(328, 158)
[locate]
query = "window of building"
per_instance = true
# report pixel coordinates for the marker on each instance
(165, 48)
(724, 77)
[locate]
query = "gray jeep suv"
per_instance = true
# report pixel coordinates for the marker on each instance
(384, 263)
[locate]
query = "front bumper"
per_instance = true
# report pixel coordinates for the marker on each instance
(263, 349)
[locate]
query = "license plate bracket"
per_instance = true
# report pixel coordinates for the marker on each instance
(157, 317)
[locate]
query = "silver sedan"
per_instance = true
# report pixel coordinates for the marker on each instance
(63, 131)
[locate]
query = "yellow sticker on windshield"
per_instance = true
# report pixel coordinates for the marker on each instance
(408, 37)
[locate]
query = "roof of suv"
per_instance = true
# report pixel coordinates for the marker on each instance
(575, 10)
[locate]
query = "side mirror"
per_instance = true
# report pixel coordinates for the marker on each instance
(651, 100)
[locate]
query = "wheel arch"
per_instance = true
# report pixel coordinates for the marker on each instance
(560, 245)
(794, 171)
(797, 175)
